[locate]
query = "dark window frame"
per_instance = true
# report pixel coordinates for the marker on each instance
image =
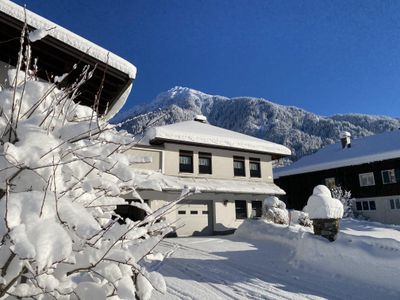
(365, 205)
(391, 176)
(359, 205)
(239, 171)
(203, 169)
(372, 205)
(257, 208)
(240, 209)
(397, 203)
(391, 201)
(257, 162)
(186, 168)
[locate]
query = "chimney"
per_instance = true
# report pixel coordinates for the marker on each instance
(345, 139)
(200, 118)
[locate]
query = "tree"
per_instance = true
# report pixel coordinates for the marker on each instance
(63, 170)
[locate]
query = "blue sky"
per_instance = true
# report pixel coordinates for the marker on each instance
(324, 56)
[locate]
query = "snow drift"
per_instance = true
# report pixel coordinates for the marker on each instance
(372, 259)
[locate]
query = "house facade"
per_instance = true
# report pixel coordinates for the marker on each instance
(231, 171)
(368, 167)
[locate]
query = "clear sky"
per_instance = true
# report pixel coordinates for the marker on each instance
(324, 56)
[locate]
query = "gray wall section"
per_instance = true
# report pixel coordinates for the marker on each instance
(383, 212)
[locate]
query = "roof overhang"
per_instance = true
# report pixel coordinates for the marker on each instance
(159, 141)
(58, 56)
(166, 183)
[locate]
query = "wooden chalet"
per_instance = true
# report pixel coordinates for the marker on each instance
(368, 167)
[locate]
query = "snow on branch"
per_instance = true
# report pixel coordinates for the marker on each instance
(63, 170)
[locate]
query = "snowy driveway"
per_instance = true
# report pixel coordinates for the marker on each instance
(228, 268)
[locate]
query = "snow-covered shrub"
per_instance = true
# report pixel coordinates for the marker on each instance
(321, 205)
(325, 212)
(344, 197)
(274, 210)
(62, 172)
(301, 218)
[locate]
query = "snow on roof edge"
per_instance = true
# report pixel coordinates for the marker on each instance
(335, 164)
(119, 103)
(177, 184)
(64, 35)
(257, 145)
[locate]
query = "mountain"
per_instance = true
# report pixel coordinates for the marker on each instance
(303, 132)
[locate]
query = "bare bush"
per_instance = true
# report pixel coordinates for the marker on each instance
(346, 199)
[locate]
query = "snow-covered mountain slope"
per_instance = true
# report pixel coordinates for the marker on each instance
(303, 132)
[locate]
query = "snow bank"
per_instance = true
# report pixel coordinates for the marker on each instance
(321, 205)
(371, 259)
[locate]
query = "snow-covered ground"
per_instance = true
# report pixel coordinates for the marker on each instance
(264, 261)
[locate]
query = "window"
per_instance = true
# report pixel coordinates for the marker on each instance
(193, 212)
(330, 182)
(394, 203)
(205, 212)
(181, 212)
(255, 170)
(205, 163)
(186, 161)
(391, 204)
(390, 176)
(372, 205)
(365, 205)
(238, 166)
(367, 179)
(256, 207)
(241, 209)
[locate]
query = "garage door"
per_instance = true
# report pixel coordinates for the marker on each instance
(194, 218)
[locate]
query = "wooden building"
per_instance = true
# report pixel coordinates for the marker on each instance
(369, 167)
(59, 52)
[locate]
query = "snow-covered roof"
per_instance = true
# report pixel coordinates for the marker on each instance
(68, 37)
(199, 133)
(161, 182)
(363, 150)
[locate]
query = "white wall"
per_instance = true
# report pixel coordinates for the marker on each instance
(223, 204)
(383, 212)
(222, 162)
(154, 154)
(223, 210)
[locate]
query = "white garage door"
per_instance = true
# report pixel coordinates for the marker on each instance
(193, 218)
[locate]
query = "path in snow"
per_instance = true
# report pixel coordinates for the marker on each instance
(227, 268)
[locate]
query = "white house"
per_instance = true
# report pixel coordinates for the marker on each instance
(232, 171)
